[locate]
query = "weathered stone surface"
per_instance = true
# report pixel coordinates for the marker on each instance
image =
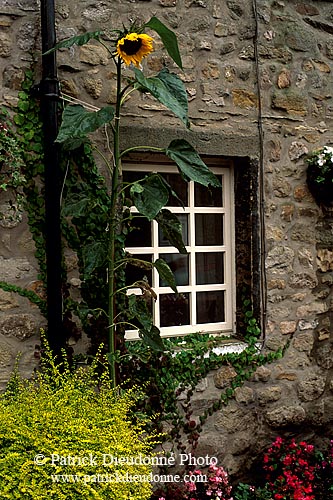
(269, 395)
(325, 259)
(8, 300)
(15, 269)
(287, 327)
(280, 259)
(233, 419)
(324, 355)
(297, 149)
(224, 376)
(244, 395)
(262, 374)
(20, 326)
(290, 101)
(304, 342)
(94, 55)
(5, 45)
(286, 415)
(311, 387)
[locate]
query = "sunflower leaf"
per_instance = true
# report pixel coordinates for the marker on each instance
(149, 195)
(168, 38)
(94, 255)
(190, 164)
(165, 273)
(138, 309)
(77, 122)
(76, 40)
(172, 229)
(168, 89)
(152, 338)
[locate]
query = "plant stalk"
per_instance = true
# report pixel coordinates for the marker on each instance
(112, 233)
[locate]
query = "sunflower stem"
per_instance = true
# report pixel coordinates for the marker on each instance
(150, 148)
(113, 222)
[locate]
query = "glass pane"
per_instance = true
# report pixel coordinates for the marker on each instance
(209, 268)
(208, 197)
(140, 233)
(180, 187)
(179, 266)
(174, 309)
(163, 242)
(210, 307)
(136, 271)
(209, 229)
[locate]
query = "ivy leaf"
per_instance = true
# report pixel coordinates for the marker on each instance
(77, 206)
(190, 164)
(94, 255)
(152, 338)
(77, 122)
(76, 40)
(165, 273)
(168, 38)
(149, 195)
(168, 89)
(172, 229)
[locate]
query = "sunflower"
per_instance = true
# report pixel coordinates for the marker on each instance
(133, 47)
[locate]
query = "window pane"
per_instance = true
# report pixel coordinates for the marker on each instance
(210, 307)
(136, 271)
(209, 268)
(163, 242)
(180, 187)
(140, 233)
(208, 197)
(209, 229)
(174, 309)
(179, 266)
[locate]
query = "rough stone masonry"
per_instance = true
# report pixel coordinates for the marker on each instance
(246, 64)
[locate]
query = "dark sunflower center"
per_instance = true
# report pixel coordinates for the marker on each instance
(131, 47)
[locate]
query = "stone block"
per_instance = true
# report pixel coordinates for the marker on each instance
(224, 376)
(20, 326)
(311, 387)
(285, 416)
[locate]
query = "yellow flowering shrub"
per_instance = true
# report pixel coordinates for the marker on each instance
(71, 436)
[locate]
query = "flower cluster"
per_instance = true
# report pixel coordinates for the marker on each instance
(291, 469)
(320, 174)
(216, 486)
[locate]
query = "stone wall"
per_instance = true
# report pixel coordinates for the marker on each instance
(259, 78)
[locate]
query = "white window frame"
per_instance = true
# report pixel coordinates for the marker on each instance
(226, 327)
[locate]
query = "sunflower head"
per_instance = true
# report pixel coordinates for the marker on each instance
(133, 47)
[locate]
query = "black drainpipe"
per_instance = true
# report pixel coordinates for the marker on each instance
(49, 93)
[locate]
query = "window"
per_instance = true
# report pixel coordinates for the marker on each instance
(205, 276)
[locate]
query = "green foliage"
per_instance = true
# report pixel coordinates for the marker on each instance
(70, 414)
(168, 89)
(29, 294)
(168, 38)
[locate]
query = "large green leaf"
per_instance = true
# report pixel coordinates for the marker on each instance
(168, 89)
(152, 338)
(190, 164)
(168, 38)
(149, 195)
(137, 308)
(172, 229)
(76, 40)
(94, 255)
(165, 273)
(77, 122)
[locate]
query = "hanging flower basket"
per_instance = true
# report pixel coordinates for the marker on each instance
(320, 175)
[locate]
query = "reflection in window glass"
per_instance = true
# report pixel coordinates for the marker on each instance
(210, 307)
(180, 187)
(163, 242)
(140, 233)
(209, 229)
(208, 197)
(209, 268)
(174, 309)
(178, 264)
